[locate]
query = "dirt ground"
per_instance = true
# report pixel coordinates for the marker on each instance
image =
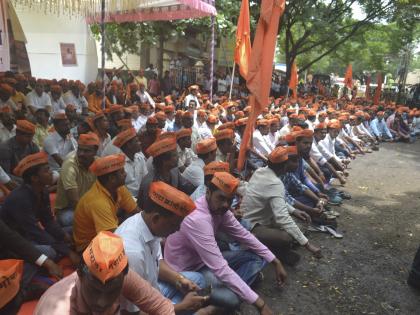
(366, 271)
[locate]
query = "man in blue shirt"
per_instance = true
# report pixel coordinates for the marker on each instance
(380, 129)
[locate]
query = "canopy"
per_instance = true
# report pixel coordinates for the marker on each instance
(126, 10)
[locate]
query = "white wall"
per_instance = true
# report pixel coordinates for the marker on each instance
(44, 33)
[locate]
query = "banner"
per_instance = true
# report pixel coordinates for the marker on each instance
(4, 38)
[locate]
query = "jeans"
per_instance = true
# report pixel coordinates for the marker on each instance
(65, 218)
(172, 293)
(246, 264)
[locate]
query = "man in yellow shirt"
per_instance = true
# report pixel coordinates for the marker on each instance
(97, 209)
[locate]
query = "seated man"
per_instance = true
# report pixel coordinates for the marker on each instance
(75, 179)
(264, 205)
(206, 153)
(97, 209)
(379, 128)
(18, 147)
(185, 154)
(29, 205)
(59, 143)
(12, 246)
(43, 128)
(135, 163)
(102, 278)
(194, 248)
(259, 141)
(165, 161)
(225, 146)
(164, 211)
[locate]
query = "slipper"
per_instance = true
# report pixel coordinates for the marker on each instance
(332, 212)
(317, 228)
(333, 232)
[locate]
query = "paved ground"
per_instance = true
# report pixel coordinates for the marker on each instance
(365, 272)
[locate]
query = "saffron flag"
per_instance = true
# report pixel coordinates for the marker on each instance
(243, 40)
(348, 78)
(261, 67)
(367, 92)
(293, 82)
(377, 96)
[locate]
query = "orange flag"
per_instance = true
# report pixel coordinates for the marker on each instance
(377, 96)
(367, 92)
(293, 82)
(348, 78)
(261, 67)
(243, 40)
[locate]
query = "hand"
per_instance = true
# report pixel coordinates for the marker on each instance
(324, 180)
(75, 258)
(317, 211)
(342, 180)
(53, 269)
(281, 274)
(192, 302)
(302, 215)
(316, 251)
(266, 310)
(323, 196)
(185, 285)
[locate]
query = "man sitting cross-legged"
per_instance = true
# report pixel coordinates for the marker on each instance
(194, 248)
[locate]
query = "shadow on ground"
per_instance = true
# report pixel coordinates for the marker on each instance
(364, 273)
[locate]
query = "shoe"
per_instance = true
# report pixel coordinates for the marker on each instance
(344, 195)
(335, 200)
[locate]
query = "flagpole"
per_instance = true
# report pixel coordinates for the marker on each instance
(231, 81)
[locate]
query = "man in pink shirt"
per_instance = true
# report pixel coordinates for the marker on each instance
(102, 277)
(194, 248)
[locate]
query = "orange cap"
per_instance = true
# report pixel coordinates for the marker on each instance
(290, 138)
(151, 120)
(225, 182)
(224, 134)
(167, 135)
(262, 122)
(334, 125)
(186, 132)
(107, 164)
(124, 136)
(30, 161)
(227, 125)
(59, 116)
(160, 116)
(171, 199)
(124, 123)
(291, 150)
(105, 256)
(11, 271)
(187, 115)
(161, 146)
(241, 121)
(89, 138)
(216, 166)
(320, 126)
(206, 146)
(304, 133)
(6, 88)
(278, 155)
(25, 126)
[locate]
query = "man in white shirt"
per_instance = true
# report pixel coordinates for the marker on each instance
(7, 126)
(273, 135)
(264, 206)
(261, 145)
(142, 233)
(59, 143)
(74, 96)
(37, 98)
(144, 96)
(135, 162)
(185, 154)
(206, 153)
(192, 96)
(57, 102)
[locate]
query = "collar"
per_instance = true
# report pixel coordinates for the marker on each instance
(105, 191)
(145, 232)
